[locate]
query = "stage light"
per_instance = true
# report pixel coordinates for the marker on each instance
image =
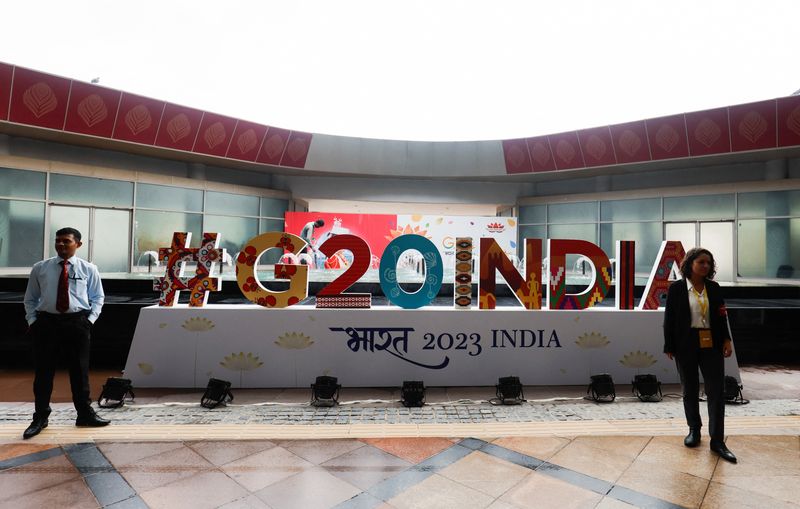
(325, 391)
(646, 388)
(115, 392)
(601, 388)
(412, 393)
(509, 390)
(218, 392)
(733, 392)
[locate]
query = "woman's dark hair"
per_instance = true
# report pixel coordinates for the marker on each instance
(691, 256)
(319, 222)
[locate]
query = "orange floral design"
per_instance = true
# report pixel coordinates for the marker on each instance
(406, 230)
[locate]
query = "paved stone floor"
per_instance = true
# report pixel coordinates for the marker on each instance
(272, 450)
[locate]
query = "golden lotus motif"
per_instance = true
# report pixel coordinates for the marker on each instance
(241, 362)
(198, 324)
(592, 340)
(637, 360)
(145, 368)
(294, 341)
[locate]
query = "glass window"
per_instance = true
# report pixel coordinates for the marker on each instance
(152, 196)
(232, 204)
(531, 232)
(21, 233)
(646, 209)
(111, 240)
(692, 208)
(271, 225)
(533, 214)
(577, 273)
(573, 231)
(272, 256)
(773, 203)
(234, 231)
(73, 217)
(93, 191)
(22, 184)
(769, 248)
(646, 235)
(572, 212)
(273, 207)
(153, 230)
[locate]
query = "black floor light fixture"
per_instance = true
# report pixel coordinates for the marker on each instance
(325, 391)
(412, 393)
(509, 390)
(218, 392)
(646, 388)
(115, 392)
(601, 388)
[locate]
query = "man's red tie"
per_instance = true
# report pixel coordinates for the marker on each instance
(62, 302)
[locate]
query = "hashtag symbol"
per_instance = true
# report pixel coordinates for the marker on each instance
(175, 258)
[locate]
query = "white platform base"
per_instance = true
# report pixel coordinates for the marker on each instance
(256, 347)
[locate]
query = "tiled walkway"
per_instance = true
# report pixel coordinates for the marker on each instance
(274, 451)
(501, 473)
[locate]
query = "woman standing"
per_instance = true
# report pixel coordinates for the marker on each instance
(696, 336)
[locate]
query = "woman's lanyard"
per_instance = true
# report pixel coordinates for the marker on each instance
(702, 301)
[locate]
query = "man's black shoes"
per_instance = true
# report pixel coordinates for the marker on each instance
(91, 420)
(35, 428)
(720, 448)
(693, 438)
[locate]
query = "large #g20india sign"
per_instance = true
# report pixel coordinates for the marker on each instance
(527, 287)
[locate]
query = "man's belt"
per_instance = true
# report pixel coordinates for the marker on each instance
(62, 316)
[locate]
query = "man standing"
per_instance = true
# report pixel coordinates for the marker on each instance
(63, 299)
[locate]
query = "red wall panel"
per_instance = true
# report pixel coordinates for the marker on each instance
(215, 135)
(667, 136)
(138, 119)
(789, 121)
(247, 140)
(179, 126)
(566, 150)
(296, 150)
(515, 153)
(273, 146)
(597, 147)
(39, 99)
(541, 155)
(92, 109)
(708, 132)
(753, 126)
(630, 142)
(6, 72)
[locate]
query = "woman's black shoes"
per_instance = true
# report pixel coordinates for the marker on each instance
(693, 438)
(723, 451)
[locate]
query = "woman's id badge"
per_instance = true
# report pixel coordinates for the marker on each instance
(705, 338)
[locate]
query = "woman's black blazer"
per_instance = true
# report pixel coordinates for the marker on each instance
(678, 317)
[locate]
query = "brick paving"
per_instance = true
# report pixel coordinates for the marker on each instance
(393, 413)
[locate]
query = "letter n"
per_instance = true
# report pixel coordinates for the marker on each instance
(595, 292)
